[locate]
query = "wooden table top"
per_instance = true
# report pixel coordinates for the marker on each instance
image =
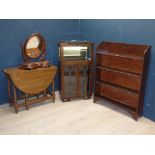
(31, 81)
(13, 70)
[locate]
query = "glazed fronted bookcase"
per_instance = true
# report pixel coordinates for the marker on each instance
(76, 69)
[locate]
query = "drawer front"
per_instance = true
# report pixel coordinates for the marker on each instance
(117, 94)
(120, 63)
(119, 78)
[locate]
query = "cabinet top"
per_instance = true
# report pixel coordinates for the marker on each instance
(75, 43)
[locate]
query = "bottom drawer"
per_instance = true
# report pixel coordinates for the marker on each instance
(117, 94)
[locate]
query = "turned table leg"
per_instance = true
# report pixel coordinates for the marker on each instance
(26, 102)
(15, 100)
(9, 91)
(45, 92)
(53, 92)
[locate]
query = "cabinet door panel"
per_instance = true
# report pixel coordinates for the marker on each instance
(70, 81)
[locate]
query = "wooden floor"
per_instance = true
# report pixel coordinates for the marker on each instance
(76, 117)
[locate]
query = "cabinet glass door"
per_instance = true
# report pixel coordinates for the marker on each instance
(84, 79)
(70, 81)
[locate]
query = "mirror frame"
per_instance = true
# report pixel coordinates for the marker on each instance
(41, 56)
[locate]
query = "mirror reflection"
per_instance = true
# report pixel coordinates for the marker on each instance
(34, 47)
(76, 52)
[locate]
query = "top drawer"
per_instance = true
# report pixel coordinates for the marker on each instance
(133, 65)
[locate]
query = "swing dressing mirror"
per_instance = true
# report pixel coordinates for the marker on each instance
(33, 51)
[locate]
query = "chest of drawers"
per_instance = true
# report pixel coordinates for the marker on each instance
(121, 74)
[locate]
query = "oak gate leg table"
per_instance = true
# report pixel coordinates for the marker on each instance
(26, 87)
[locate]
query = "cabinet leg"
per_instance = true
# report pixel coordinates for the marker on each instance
(134, 115)
(95, 100)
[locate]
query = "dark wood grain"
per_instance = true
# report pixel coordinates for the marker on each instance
(127, 80)
(121, 71)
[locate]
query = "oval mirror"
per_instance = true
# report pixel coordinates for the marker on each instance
(34, 46)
